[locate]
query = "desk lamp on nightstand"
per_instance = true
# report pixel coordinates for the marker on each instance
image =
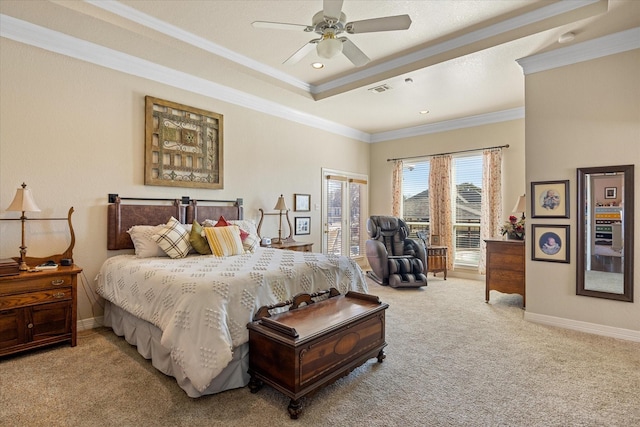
(23, 202)
(280, 206)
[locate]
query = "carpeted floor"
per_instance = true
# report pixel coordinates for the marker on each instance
(452, 360)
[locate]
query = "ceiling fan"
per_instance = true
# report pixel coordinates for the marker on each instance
(329, 23)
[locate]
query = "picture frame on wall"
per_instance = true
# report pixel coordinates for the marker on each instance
(550, 199)
(303, 225)
(550, 243)
(610, 192)
(302, 202)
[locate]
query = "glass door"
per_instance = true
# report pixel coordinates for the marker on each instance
(344, 213)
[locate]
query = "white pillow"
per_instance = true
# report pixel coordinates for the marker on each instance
(247, 225)
(143, 242)
(174, 239)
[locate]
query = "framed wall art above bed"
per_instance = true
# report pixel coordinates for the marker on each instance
(184, 146)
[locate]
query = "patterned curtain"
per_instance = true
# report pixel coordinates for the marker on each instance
(440, 202)
(397, 189)
(491, 209)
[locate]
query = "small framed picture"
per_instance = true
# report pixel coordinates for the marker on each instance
(610, 192)
(550, 243)
(550, 199)
(303, 225)
(435, 240)
(302, 202)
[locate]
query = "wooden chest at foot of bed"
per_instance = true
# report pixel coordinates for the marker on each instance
(303, 349)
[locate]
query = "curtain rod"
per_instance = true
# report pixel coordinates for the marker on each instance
(444, 154)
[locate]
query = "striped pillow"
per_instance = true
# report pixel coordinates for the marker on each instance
(224, 241)
(174, 239)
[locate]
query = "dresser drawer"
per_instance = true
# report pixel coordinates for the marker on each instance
(35, 283)
(32, 298)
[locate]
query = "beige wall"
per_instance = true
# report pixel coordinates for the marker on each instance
(510, 132)
(582, 115)
(74, 132)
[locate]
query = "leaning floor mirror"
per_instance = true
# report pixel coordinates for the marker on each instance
(605, 232)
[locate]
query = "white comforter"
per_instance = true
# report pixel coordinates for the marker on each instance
(202, 304)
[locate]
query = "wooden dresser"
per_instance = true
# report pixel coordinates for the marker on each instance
(505, 267)
(305, 348)
(38, 309)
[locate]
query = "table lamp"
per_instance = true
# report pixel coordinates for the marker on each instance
(280, 206)
(23, 202)
(521, 206)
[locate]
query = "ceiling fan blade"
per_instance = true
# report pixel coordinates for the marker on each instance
(301, 53)
(278, 26)
(388, 23)
(332, 8)
(353, 53)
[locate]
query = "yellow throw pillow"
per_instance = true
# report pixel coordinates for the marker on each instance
(224, 241)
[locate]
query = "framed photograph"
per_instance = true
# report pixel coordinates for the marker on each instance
(303, 225)
(302, 203)
(435, 240)
(550, 199)
(610, 192)
(550, 243)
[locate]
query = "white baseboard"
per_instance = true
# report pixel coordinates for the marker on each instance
(92, 323)
(577, 325)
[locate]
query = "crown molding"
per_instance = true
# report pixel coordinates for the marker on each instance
(169, 30)
(580, 52)
(172, 31)
(53, 41)
(449, 125)
(34, 35)
(537, 15)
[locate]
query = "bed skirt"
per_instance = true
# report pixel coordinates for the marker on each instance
(146, 337)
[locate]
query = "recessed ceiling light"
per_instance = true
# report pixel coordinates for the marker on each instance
(317, 65)
(424, 112)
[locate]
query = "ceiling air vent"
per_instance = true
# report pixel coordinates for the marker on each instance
(379, 89)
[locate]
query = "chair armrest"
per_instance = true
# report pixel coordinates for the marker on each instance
(378, 258)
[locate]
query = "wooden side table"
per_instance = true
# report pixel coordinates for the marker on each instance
(505, 267)
(38, 309)
(292, 246)
(437, 259)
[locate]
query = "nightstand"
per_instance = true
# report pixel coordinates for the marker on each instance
(292, 246)
(38, 309)
(437, 259)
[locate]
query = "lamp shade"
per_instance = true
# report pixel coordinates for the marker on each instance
(521, 205)
(280, 205)
(23, 201)
(328, 48)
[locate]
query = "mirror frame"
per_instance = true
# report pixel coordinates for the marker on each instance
(628, 201)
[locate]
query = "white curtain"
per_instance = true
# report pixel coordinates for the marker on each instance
(491, 208)
(440, 203)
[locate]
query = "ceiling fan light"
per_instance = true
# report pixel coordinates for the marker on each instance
(328, 48)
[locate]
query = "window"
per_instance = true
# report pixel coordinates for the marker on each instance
(465, 204)
(467, 175)
(415, 196)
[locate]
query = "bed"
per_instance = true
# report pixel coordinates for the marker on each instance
(189, 315)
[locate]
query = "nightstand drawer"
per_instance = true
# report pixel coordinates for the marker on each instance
(31, 298)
